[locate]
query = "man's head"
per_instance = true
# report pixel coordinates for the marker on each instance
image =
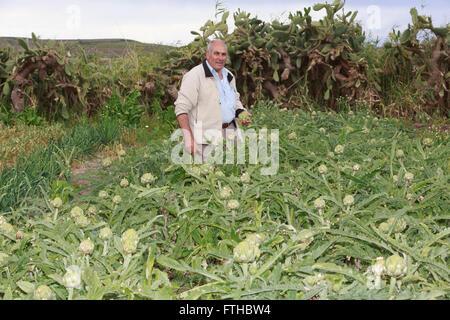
(216, 54)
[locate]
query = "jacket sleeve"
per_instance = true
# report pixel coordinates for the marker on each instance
(238, 106)
(188, 94)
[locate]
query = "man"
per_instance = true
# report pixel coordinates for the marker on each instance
(208, 102)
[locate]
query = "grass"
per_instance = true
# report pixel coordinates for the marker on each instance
(34, 156)
(32, 170)
(22, 139)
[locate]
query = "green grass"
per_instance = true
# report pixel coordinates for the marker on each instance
(31, 171)
(187, 234)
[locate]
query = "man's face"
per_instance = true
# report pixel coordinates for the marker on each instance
(217, 56)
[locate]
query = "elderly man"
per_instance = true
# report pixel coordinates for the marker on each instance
(208, 102)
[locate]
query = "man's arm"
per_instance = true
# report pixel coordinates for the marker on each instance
(189, 142)
(187, 98)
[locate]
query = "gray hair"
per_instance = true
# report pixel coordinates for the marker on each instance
(215, 40)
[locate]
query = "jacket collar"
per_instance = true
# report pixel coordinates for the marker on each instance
(208, 73)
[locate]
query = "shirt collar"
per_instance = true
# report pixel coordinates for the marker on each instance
(208, 72)
(214, 72)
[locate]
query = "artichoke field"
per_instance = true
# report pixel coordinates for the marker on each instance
(346, 217)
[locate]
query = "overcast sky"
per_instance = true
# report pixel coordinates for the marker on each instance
(170, 21)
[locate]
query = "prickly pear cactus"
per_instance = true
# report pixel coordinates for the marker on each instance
(280, 60)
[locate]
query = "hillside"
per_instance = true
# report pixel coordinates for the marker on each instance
(108, 46)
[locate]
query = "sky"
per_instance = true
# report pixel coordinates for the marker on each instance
(170, 22)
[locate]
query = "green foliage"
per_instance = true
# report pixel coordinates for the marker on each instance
(126, 110)
(30, 118)
(185, 228)
(33, 171)
(279, 60)
(421, 61)
(63, 82)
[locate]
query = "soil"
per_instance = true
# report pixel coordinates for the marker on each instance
(83, 170)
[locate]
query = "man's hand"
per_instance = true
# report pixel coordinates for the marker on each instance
(245, 118)
(189, 143)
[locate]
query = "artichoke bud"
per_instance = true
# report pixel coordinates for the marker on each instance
(233, 204)
(246, 252)
(399, 153)
(106, 162)
(319, 203)
(292, 136)
(339, 149)
(117, 199)
(124, 183)
(43, 292)
(255, 238)
(57, 202)
(76, 212)
(384, 227)
(395, 266)
(105, 233)
(129, 241)
(244, 117)
(323, 169)
(409, 177)
(19, 235)
(103, 194)
(147, 178)
(379, 267)
(81, 221)
(428, 142)
(349, 200)
(226, 192)
(72, 278)
(245, 178)
(92, 210)
(7, 228)
(86, 246)
(400, 226)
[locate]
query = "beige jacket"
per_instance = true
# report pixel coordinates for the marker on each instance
(199, 98)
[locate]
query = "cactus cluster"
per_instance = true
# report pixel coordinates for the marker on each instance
(279, 59)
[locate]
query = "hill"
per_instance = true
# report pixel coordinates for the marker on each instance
(109, 47)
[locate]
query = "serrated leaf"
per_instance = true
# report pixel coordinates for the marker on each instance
(183, 267)
(197, 292)
(331, 267)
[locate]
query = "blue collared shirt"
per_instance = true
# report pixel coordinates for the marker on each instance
(226, 93)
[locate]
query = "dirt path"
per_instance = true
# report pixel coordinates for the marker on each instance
(82, 170)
